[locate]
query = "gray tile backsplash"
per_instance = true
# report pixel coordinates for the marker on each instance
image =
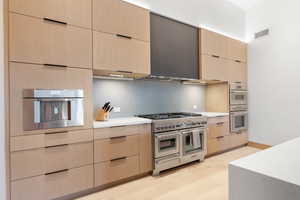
(148, 96)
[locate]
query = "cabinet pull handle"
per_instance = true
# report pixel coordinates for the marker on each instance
(53, 65)
(124, 36)
(55, 21)
(119, 137)
(220, 123)
(220, 137)
(238, 61)
(126, 72)
(117, 159)
(56, 172)
(59, 145)
(215, 56)
(50, 133)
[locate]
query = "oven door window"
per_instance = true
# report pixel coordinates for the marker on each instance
(239, 121)
(167, 144)
(54, 111)
(188, 142)
(239, 97)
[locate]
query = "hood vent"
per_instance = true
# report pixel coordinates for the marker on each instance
(261, 33)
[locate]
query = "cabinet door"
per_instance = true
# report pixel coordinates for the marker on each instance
(28, 76)
(218, 127)
(213, 43)
(115, 53)
(238, 71)
(73, 12)
(238, 139)
(34, 40)
(237, 50)
(119, 17)
(217, 145)
(214, 68)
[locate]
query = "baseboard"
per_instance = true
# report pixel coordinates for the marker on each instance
(258, 145)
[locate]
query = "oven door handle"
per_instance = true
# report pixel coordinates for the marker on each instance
(55, 99)
(167, 136)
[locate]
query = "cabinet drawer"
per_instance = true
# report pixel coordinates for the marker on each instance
(34, 40)
(106, 133)
(218, 129)
(108, 149)
(27, 76)
(216, 120)
(115, 53)
(20, 143)
(52, 186)
(119, 17)
(218, 144)
(238, 139)
(213, 44)
(50, 159)
(110, 171)
(214, 68)
(76, 13)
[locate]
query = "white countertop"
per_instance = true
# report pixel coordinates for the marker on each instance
(279, 162)
(213, 114)
(125, 121)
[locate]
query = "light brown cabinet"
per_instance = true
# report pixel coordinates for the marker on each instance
(217, 98)
(238, 139)
(77, 13)
(122, 152)
(34, 40)
(51, 186)
(237, 71)
(119, 17)
(114, 53)
(237, 50)
(214, 68)
(28, 76)
(212, 43)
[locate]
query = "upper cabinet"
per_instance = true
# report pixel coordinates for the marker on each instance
(121, 18)
(237, 50)
(77, 13)
(213, 44)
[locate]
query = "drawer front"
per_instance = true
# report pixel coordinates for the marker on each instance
(218, 128)
(76, 13)
(108, 149)
(119, 17)
(238, 139)
(40, 141)
(51, 159)
(213, 68)
(106, 133)
(215, 120)
(52, 186)
(34, 40)
(108, 172)
(115, 53)
(218, 144)
(26, 76)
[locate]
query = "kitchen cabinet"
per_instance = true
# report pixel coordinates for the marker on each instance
(121, 152)
(52, 186)
(77, 13)
(214, 68)
(217, 98)
(34, 40)
(213, 44)
(28, 76)
(237, 50)
(120, 18)
(238, 139)
(237, 71)
(119, 54)
(218, 135)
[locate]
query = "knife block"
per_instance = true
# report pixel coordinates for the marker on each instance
(101, 115)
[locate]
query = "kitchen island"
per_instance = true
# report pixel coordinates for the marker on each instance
(272, 174)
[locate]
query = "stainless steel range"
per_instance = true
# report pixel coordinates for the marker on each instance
(178, 138)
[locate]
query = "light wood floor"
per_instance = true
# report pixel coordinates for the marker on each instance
(200, 181)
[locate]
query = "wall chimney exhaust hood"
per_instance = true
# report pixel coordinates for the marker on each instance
(174, 49)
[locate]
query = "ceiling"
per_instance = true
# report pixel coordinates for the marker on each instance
(244, 4)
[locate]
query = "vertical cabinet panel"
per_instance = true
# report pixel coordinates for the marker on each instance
(34, 40)
(213, 44)
(73, 12)
(115, 53)
(27, 76)
(119, 17)
(146, 163)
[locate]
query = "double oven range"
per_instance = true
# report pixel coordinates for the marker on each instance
(178, 138)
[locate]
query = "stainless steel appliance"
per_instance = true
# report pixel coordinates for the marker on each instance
(45, 109)
(179, 138)
(238, 107)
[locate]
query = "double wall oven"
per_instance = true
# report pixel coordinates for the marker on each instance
(238, 107)
(179, 138)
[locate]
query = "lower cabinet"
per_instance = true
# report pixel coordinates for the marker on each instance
(219, 137)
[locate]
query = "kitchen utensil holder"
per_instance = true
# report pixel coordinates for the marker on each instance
(102, 115)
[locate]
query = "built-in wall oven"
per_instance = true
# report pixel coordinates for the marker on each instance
(46, 109)
(238, 107)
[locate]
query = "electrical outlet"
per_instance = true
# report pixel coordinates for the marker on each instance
(195, 107)
(117, 109)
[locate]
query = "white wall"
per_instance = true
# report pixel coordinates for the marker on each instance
(219, 15)
(274, 72)
(2, 123)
